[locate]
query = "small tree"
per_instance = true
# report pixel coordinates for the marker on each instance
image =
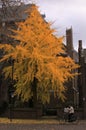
(39, 65)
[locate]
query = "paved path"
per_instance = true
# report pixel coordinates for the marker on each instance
(11, 126)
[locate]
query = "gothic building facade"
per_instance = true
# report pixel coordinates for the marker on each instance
(82, 78)
(79, 83)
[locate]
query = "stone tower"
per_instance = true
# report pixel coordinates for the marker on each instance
(72, 53)
(69, 42)
(73, 86)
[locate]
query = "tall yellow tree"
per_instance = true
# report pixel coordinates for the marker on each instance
(39, 62)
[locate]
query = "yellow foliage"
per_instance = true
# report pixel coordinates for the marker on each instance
(39, 55)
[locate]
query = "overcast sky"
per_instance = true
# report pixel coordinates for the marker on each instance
(64, 14)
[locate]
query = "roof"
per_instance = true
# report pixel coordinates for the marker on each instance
(15, 13)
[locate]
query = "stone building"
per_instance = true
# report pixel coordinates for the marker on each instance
(82, 78)
(7, 22)
(75, 92)
(79, 83)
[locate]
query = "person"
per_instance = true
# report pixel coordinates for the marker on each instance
(66, 113)
(71, 114)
